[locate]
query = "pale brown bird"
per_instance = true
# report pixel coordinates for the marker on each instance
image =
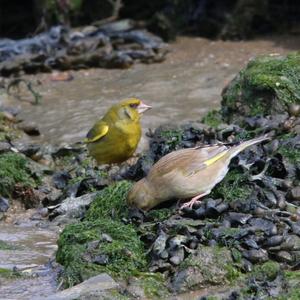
(186, 173)
(115, 137)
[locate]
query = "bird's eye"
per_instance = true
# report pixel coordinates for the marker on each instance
(133, 105)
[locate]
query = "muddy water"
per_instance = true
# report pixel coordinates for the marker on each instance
(182, 88)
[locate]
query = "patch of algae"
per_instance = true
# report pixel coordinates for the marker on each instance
(13, 170)
(125, 254)
(232, 187)
(213, 118)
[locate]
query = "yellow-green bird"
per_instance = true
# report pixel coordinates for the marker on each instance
(185, 174)
(115, 137)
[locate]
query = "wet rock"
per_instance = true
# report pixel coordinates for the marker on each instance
(177, 256)
(29, 128)
(4, 204)
(294, 109)
(160, 243)
(106, 238)
(60, 179)
(246, 265)
(263, 225)
(72, 207)
(283, 256)
(25, 148)
(207, 266)
(295, 194)
(50, 196)
(101, 259)
(255, 90)
(296, 228)
(5, 147)
(256, 256)
(238, 218)
(97, 287)
(72, 49)
(291, 242)
(274, 240)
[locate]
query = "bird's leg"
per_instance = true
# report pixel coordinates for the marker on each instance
(193, 201)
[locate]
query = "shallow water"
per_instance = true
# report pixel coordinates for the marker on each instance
(182, 88)
(33, 247)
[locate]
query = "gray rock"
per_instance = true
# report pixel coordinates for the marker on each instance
(4, 147)
(256, 256)
(207, 266)
(4, 204)
(97, 287)
(295, 193)
(72, 207)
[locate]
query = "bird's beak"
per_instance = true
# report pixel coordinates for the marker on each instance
(143, 107)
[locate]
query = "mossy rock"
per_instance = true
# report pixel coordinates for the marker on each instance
(110, 202)
(124, 255)
(213, 118)
(8, 130)
(267, 271)
(208, 266)
(266, 86)
(14, 170)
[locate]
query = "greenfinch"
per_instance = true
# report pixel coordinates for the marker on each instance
(185, 174)
(115, 137)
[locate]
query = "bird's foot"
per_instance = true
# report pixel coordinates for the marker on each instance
(189, 204)
(193, 200)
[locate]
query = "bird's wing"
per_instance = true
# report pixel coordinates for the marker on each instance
(98, 131)
(188, 161)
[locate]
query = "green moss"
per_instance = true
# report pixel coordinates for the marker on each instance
(173, 137)
(212, 118)
(8, 131)
(154, 286)
(110, 202)
(214, 260)
(232, 273)
(6, 273)
(290, 153)
(13, 170)
(160, 214)
(292, 275)
(6, 246)
(267, 271)
(268, 84)
(125, 253)
(293, 282)
(232, 187)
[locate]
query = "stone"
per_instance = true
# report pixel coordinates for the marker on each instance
(295, 193)
(207, 266)
(72, 207)
(29, 128)
(4, 204)
(4, 147)
(97, 287)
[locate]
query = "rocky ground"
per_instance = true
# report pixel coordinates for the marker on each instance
(241, 242)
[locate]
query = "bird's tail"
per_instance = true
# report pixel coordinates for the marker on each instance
(235, 150)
